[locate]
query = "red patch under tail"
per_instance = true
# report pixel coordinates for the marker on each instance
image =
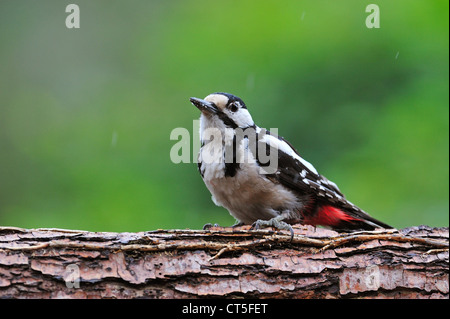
(329, 216)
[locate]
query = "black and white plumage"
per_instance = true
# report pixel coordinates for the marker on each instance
(261, 179)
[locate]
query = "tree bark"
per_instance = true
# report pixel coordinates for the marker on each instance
(224, 262)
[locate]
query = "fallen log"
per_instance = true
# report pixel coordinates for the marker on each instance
(224, 262)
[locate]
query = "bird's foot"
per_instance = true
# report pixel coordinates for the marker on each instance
(209, 226)
(276, 222)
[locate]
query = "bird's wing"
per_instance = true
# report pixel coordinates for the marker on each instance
(298, 174)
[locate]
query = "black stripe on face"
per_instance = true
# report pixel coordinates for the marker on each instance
(226, 120)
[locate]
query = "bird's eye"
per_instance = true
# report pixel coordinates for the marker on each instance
(233, 107)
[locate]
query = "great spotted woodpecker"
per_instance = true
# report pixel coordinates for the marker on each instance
(261, 179)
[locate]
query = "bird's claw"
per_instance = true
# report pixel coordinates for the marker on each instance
(276, 222)
(209, 226)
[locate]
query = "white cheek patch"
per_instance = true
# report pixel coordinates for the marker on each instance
(242, 118)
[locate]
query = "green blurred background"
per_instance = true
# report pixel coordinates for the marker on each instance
(86, 114)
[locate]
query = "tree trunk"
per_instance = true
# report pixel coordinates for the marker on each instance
(224, 262)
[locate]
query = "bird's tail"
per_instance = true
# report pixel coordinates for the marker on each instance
(341, 220)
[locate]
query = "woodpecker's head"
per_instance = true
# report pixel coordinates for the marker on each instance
(223, 110)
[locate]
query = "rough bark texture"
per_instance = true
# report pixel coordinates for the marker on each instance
(224, 262)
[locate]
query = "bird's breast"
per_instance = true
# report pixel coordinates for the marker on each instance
(248, 195)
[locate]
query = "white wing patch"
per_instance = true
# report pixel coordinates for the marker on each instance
(284, 147)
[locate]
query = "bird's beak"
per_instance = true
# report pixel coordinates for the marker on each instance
(204, 106)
